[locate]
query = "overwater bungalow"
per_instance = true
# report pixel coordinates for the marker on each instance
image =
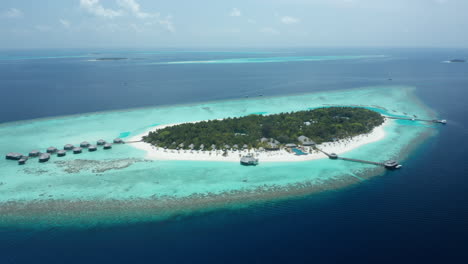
(84, 144)
(61, 153)
(51, 149)
(101, 142)
(34, 153)
(118, 141)
(44, 157)
(77, 150)
(14, 156)
(92, 148)
(23, 160)
(68, 147)
(107, 146)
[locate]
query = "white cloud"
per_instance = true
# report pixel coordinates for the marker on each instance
(235, 12)
(269, 31)
(134, 8)
(95, 8)
(167, 23)
(12, 13)
(288, 20)
(65, 23)
(128, 7)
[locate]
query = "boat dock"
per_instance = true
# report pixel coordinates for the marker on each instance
(390, 164)
(46, 155)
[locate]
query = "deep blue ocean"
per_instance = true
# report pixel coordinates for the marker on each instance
(415, 215)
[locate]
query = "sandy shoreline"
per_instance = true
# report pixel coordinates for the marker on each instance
(338, 147)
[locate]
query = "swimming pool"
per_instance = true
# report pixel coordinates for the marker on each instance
(298, 151)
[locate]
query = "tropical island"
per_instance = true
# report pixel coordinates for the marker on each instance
(271, 132)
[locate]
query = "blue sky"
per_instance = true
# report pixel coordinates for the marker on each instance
(240, 23)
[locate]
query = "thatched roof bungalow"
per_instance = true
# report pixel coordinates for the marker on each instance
(107, 146)
(13, 156)
(68, 147)
(51, 149)
(77, 150)
(44, 157)
(23, 160)
(118, 141)
(34, 153)
(305, 141)
(84, 144)
(61, 153)
(101, 142)
(92, 148)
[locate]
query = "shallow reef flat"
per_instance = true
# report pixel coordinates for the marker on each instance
(121, 185)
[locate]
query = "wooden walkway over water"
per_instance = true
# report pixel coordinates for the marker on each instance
(442, 121)
(388, 164)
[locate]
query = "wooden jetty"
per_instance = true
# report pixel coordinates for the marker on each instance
(389, 164)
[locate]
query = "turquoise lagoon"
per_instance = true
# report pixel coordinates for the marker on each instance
(121, 185)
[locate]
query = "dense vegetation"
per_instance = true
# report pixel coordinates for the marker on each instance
(320, 125)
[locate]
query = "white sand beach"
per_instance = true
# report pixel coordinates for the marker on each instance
(282, 155)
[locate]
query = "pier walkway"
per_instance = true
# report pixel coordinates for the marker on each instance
(390, 164)
(442, 121)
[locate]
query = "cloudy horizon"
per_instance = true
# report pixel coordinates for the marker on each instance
(255, 23)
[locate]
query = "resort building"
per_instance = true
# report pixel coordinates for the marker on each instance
(101, 142)
(68, 147)
(61, 153)
(51, 149)
(14, 156)
(92, 148)
(34, 153)
(44, 157)
(84, 144)
(23, 160)
(77, 150)
(107, 146)
(118, 141)
(305, 141)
